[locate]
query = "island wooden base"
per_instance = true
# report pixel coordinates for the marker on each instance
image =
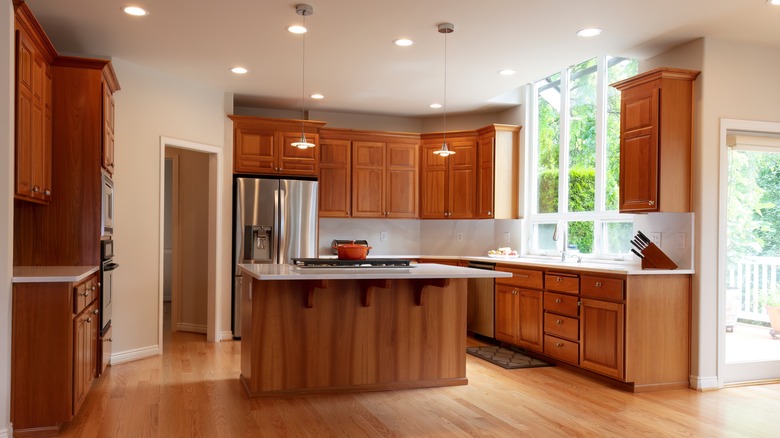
(352, 335)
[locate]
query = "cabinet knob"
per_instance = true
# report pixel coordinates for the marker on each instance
(558, 279)
(110, 339)
(559, 344)
(558, 300)
(515, 291)
(651, 203)
(89, 320)
(36, 189)
(47, 192)
(598, 284)
(95, 312)
(490, 213)
(559, 322)
(84, 294)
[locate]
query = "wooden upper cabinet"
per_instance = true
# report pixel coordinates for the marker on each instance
(401, 180)
(34, 55)
(264, 146)
(335, 179)
(448, 185)
(656, 140)
(498, 175)
(108, 129)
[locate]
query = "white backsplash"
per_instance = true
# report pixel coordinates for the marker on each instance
(421, 237)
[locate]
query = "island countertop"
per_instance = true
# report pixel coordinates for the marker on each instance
(414, 271)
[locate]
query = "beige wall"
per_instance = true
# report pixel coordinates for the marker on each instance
(737, 82)
(151, 105)
(6, 208)
(193, 243)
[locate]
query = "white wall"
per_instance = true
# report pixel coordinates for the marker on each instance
(148, 106)
(6, 209)
(737, 82)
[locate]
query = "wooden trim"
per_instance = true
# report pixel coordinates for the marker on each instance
(656, 74)
(175, 243)
(25, 18)
(368, 135)
(293, 125)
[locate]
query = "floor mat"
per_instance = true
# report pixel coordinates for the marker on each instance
(505, 358)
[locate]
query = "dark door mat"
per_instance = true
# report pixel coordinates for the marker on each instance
(505, 358)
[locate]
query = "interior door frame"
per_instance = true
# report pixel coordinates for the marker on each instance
(748, 372)
(175, 240)
(215, 238)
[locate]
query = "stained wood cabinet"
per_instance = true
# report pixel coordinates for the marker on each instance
(498, 177)
(34, 55)
(448, 185)
(54, 352)
(518, 308)
(108, 129)
(335, 178)
(656, 140)
(384, 179)
(264, 146)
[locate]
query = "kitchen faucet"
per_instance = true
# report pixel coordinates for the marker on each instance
(561, 232)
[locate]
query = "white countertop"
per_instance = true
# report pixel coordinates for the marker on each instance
(428, 270)
(52, 274)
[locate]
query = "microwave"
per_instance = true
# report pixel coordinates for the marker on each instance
(107, 218)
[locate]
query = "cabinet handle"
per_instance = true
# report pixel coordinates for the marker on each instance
(559, 322)
(85, 294)
(490, 213)
(515, 291)
(99, 284)
(558, 279)
(559, 344)
(47, 192)
(521, 276)
(558, 300)
(651, 203)
(35, 189)
(95, 312)
(598, 284)
(110, 339)
(89, 320)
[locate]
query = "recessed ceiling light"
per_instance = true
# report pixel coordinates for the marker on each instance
(239, 70)
(403, 42)
(135, 11)
(296, 29)
(507, 72)
(589, 32)
(435, 105)
(317, 96)
(773, 2)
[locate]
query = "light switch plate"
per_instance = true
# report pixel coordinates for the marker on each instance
(655, 237)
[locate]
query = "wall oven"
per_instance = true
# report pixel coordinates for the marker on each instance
(107, 268)
(107, 206)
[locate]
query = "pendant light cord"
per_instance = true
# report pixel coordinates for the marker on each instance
(445, 89)
(303, 81)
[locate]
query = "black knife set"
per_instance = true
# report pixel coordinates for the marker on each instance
(651, 255)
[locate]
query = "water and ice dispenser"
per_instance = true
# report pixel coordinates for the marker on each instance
(258, 244)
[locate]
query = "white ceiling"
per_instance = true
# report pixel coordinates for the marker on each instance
(350, 57)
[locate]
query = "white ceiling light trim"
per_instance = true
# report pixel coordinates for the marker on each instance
(317, 96)
(239, 70)
(403, 42)
(135, 11)
(507, 72)
(589, 32)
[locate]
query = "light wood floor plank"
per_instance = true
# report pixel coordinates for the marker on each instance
(193, 391)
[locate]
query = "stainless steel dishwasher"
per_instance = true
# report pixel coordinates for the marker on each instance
(481, 301)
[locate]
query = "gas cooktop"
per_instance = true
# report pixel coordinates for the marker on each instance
(335, 263)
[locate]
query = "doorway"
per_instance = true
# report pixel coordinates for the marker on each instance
(194, 234)
(751, 339)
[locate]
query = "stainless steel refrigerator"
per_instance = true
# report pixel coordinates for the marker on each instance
(274, 220)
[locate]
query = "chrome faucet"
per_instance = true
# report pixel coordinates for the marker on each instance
(561, 232)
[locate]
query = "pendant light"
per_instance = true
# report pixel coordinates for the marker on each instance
(303, 10)
(445, 28)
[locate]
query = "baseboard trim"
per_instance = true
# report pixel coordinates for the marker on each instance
(137, 354)
(192, 328)
(704, 383)
(226, 335)
(7, 432)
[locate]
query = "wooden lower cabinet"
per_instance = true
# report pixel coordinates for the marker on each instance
(53, 353)
(518, 308)
(601, 337)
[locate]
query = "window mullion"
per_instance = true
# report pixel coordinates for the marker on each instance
(563, 155)
(601, 151)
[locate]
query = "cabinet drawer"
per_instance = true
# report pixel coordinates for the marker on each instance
(602, 288)
(83, 294)
(562, 349)
(566, 283)
(522, 277)
(562, 326)
(561, 304)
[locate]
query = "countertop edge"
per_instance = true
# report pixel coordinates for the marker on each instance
(52, 274)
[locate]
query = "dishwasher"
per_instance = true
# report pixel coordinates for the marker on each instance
(481, 301)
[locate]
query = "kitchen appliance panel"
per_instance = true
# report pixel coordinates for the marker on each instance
(107, 206)
(480, 305)
(298, 221)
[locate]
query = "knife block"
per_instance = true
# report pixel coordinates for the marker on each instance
(655, 258)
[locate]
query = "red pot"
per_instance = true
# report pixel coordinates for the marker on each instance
(352, 251)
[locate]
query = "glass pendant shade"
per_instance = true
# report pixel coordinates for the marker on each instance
(444, 151)
(445, 28)
(303, 143)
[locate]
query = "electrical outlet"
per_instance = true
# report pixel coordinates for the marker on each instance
(383, 236)
(506, 237)
(459, 237)
(680, 240)
(655, 237)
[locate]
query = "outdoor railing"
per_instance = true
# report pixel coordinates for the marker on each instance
(748, 280)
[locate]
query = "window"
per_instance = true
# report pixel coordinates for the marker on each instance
(576, 161)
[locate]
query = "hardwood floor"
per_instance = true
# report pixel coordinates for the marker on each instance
(193, 391)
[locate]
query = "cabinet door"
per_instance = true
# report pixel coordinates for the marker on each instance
(529, 328)
(485, 176)
(506, 313)
(401, 179)
(335, 178)
(433, 177)
(84, 354)
(108, 129)
(601, 337)
(639, 150)
(25, 51)
(368, 179)
(296, 161)
(255, 150)
(462, 184)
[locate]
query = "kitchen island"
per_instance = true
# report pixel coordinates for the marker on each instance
(324, 329)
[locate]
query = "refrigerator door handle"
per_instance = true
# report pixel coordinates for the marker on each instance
(281, 235)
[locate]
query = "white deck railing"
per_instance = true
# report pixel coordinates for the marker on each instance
(748, 279)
